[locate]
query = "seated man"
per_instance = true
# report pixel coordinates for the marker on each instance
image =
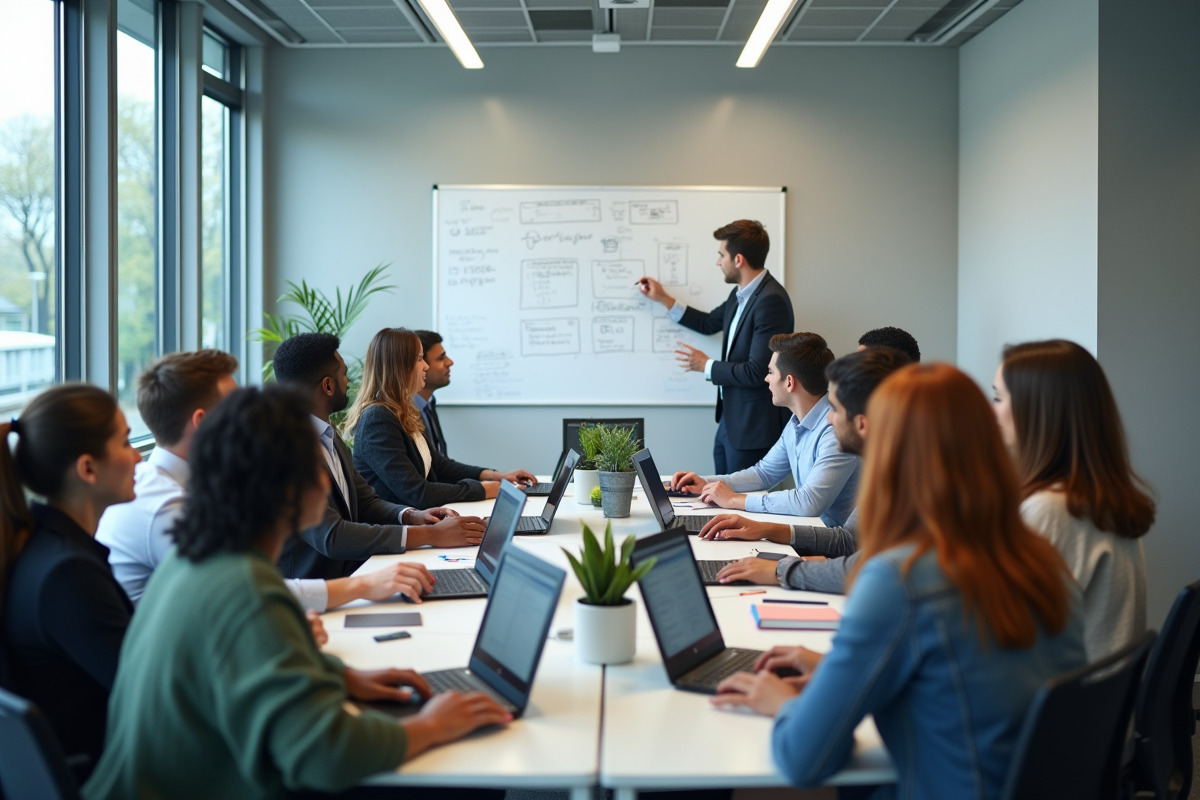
(826, 478)
(358, 523)
(174, 395)
(852, 380)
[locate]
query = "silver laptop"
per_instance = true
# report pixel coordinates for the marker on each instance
(475, 581)
(693, 651)
(542, 523)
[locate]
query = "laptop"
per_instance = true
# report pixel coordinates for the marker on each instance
(660, 502)
(509, 645)
(693, 651)
(476, 581)
(542, 488)
(542, 524)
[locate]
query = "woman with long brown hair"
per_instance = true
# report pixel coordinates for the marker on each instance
(391, 450)
(64, 614)
(1059, 419)
(957, 615)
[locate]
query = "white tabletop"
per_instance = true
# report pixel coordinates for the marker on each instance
(651, 735)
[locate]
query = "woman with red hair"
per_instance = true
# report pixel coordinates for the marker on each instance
(1059, 419)
(957, 615)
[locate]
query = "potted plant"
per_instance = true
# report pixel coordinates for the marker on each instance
(605, 619)
(587, 477)
(615, 463)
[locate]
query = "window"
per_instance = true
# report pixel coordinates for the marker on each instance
(28, 195)
(137, 203)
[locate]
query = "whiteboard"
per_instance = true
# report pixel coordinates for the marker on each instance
(535, 288)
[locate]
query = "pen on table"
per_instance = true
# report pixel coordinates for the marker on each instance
(796, 602)
(757, 591)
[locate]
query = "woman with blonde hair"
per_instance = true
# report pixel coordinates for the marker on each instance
(64, 614)
(391, 450)
(1059, 419)
(957, 615)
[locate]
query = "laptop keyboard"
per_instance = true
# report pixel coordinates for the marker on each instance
(457, 581)
(692, 522)
(531, 525)
(460, 680)
(721, 666)
(538, 489)
(709, 570)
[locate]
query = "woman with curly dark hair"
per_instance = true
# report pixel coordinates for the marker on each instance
(222, 690)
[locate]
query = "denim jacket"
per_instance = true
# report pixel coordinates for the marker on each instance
(948, 705)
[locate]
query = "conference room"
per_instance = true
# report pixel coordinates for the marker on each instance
(1037, 180)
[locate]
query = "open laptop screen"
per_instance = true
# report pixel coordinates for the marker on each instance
(660, 503)
(678, 607)
(501, 526)
(519, 611)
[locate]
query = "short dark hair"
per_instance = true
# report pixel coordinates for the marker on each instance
(428, 339)
(173, 387)
(252, 458)
(804, 356)
(895, 338)
(857, 375)
(306, 358)
(747, 238)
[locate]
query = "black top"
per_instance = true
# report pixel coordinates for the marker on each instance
(65, 617)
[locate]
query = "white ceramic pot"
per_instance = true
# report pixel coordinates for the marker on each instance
(585, 481)
(605, 634)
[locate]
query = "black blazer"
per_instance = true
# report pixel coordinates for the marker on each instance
(752, 421)
(351, 532)
(388, 459)
(65, 617)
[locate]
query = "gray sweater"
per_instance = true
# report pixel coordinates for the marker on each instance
(839, 544)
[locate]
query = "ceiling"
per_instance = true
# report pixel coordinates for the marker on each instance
(497, 23)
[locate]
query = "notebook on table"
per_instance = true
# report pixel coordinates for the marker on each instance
(475, 581)
(693, 651)
(509, 645)
(541, 524)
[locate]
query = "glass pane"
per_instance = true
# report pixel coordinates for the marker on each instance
(216, 56)
(28, 278)
(137, 204)
(214, 217)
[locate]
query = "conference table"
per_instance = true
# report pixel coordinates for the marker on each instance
(623, 726)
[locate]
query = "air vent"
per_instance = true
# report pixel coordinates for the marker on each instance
(560, 20)
(691, 3)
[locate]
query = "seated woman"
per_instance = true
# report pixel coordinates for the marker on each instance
(957, 616)
(391, 450)
(64, 613)
(222, 691)
(1059, 419)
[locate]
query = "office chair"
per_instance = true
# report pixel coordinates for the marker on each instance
(1074, 732)
(32, 766)
(1164, 719)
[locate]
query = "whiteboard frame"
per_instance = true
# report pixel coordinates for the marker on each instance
(437, 187)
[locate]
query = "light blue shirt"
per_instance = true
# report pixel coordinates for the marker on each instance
(675, 312)
(135, 533)
(826, 478)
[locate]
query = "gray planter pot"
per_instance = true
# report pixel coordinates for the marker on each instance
(616, 492)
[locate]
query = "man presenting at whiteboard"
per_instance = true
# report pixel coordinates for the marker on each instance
(748, 423)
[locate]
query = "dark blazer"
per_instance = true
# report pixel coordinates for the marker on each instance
(752, 421)
(65, 617)
(351, 532)
(388, 459)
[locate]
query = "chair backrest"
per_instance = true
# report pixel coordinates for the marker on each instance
(571, 430)
(1163, 718)
(31, 763)
(1070, 744)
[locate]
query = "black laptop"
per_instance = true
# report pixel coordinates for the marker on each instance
(542, 524)
(475, 581)
(511, 637)
(693, 652)
(543, 488)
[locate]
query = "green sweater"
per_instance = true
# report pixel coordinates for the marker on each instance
(222, 692)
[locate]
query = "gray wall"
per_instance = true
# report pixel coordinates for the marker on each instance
(1027, 181)
(1149, 265)
(865, 140)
